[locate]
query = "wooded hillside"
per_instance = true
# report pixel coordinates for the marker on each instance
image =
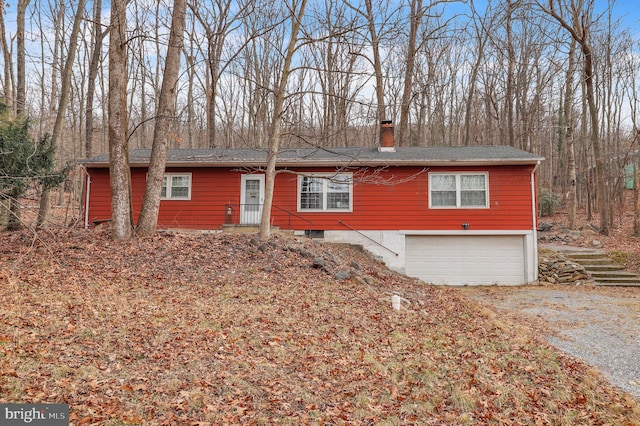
(555, 77)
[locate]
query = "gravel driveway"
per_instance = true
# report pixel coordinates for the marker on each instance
(599, 326)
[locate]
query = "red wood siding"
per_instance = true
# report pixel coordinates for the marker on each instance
(211, 190)
(403, 205)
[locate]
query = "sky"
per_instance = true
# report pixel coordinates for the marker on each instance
(628, 11)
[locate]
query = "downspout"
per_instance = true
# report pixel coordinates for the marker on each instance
(534, 217)
(86, 202)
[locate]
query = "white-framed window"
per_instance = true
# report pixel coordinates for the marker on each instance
(325, 192)
(176, 186)
(458, 190)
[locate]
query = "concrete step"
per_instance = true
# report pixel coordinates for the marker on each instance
(592, 262)
(240, 229)
(585, 255)
(618, 284)
(613, 274)
(602, 269)
(253, 229)
(629, 280)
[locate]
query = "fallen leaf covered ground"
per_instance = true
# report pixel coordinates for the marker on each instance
(228, 329)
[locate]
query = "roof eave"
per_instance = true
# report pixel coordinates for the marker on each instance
(339, 163)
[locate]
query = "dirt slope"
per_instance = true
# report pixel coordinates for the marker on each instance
(219, 329)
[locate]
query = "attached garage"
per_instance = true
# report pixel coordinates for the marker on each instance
(468, 259)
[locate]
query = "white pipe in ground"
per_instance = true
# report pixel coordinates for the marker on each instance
(395, 302)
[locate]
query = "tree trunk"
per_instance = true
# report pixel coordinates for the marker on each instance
(415, 18)
(276, 125)
(14, 221)
(21, 89)
(509, 91)
(119, 172)
(7, 95)
(601, 184)
(97, 38)
(636, 199)
(45, 199)
(377, 61)
(165, 116)
(579, 30)
(482, 38)
(571, 154)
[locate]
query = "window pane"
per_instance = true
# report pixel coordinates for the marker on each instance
(472, 182)
(252, 195)
(310, 201)
(338, 193)
(443, 182)
(311, 193)
(252, 184)
(443, 198)
(181, 181)
(310, 184)
(179, 192)
(179, 186)
(325, 193)
(163, 194)
(338, 200)
(473, 198)
(338, 187)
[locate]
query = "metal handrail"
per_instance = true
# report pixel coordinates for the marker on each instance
(233, 214)
(367, 237)
(290, 213)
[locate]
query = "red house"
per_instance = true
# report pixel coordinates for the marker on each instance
(447, 215)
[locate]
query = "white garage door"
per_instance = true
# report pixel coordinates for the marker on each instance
(466, 259)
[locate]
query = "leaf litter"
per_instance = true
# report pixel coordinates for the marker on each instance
(228, 329)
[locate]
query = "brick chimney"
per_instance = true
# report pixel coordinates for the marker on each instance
(387, 139)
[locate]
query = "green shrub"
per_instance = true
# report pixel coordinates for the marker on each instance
(548, 203)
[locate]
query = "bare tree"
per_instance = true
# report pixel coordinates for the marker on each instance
(165, 116)
(377, 61)
(335, 57)
(482, 27)
(569, 132)
(97, 37)
(511, 59)
(579, 28)
(119, 172)
(418, 13)
(7, 83)
(296, 9)
(21, 88)
(377, 19)
(218, 25)
(45, 197)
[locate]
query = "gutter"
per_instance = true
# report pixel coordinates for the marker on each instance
(86, 202)
(337, 163)
(534, 219)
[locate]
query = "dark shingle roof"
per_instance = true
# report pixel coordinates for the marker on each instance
(363, 156)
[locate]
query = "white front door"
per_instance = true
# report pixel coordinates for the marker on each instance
(252, 198)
